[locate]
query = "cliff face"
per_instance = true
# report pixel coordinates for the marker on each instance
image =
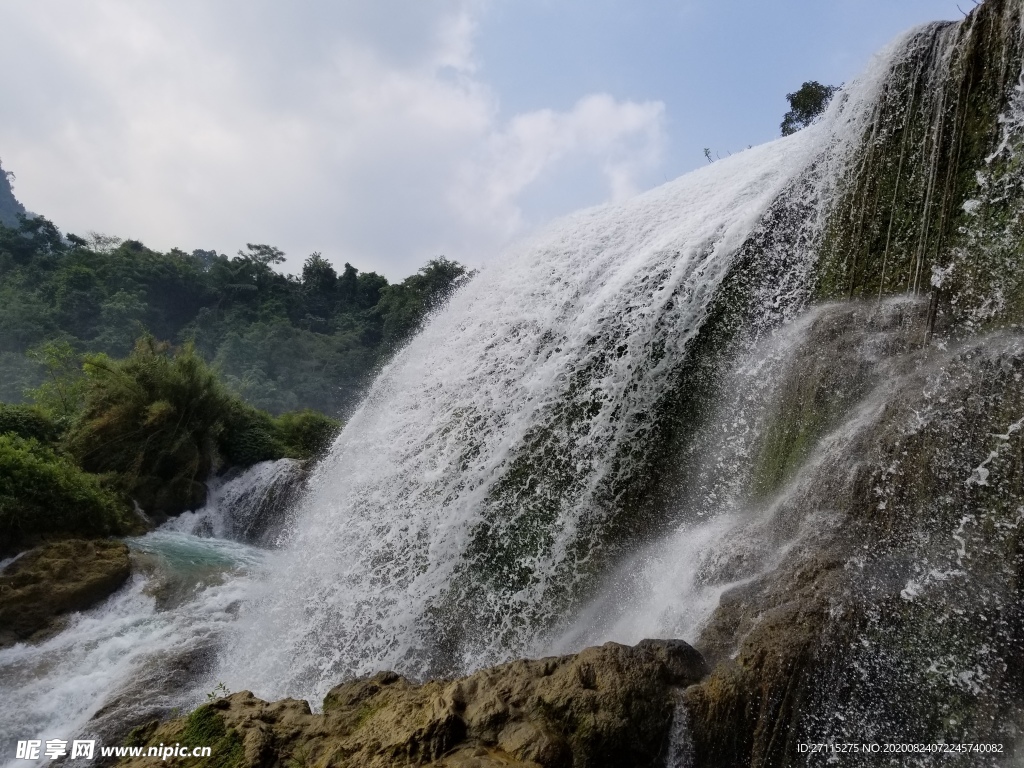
(9, 205)
(897, 615)
(892, 454)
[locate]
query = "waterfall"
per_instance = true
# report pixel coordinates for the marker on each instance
(521, 478)
(462, 513)
(680, 751)
(139, 653)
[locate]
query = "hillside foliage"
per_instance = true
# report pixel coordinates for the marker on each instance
(282, 342)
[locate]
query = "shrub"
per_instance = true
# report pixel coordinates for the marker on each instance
(155, 419)
(28, 421)
(307, 434)
(163, 423)
(249, 436)
(44, 493)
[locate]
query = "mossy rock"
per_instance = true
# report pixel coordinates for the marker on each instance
(607, 707)
(895, 611)
(44, 585)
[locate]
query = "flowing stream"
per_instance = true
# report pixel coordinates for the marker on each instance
(151, 647)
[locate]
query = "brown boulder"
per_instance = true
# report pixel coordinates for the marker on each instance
(43, 585)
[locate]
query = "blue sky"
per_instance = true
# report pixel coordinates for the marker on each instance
(385, 133)
(721, 68)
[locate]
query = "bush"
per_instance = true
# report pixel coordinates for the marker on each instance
(307, 434)
(155, 419)
(249, 436)
(44, 493)
(28, 421)
(163, 423)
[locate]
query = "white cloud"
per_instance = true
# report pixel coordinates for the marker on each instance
(361, 130)
(625, 138)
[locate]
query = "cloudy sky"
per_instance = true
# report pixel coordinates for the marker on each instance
(385, 132)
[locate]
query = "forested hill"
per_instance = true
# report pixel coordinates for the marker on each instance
(281, 341)
(9, 205)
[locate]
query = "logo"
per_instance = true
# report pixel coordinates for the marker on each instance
(54, 748)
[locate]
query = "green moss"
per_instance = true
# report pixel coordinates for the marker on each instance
(366, 712)
(205, 728)
(141, 734)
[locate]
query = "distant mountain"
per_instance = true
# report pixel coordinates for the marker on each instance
(9, 205)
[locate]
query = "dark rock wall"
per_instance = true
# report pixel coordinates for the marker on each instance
(9, 205)
(892, 451)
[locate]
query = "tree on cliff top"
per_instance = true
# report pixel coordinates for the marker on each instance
(806, 105)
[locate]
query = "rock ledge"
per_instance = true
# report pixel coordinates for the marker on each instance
(608, 706)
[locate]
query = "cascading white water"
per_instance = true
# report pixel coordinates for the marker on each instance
(668, 588)
(146, 650)
(54, 689)
(250, 507)
(462, 505)
(726, 536)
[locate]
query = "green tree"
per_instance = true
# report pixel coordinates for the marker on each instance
(62, 393)
(404, 306)
(806, 105)
(319, 291)
(281, 342)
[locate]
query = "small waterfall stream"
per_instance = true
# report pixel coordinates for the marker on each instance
(151, 647)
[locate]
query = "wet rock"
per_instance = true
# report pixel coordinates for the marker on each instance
(44, 585)
(259, 509)
(607, 706)
(152, 695)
